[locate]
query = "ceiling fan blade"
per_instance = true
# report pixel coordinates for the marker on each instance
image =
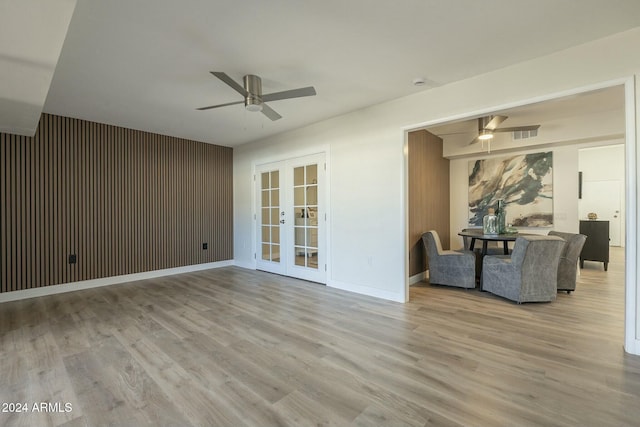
(474, 141)
(269, 112)
(229, 81)
(293, 93)
(221, 105)
(517, 128)
(493, 122)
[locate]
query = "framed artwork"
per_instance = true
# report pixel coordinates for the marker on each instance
(524, 182)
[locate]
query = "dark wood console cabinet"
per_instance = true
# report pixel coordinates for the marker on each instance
(596, 247)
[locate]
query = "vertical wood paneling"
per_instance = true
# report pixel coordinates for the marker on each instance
(123, 201)
(428, 195)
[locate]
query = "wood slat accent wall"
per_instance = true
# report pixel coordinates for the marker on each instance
(428, 195)
(123, 201)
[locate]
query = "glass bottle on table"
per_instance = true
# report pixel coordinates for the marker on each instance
(490, 222)
(501, 215)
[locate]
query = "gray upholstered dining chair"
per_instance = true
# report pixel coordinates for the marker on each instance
(528, 274)
(452, 268)
(568, 265)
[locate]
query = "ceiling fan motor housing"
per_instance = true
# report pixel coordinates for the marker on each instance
(253, 86)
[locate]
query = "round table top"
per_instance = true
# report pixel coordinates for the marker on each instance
(477, 233)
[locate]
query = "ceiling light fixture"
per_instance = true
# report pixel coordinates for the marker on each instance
(253, 104)
(485, 135)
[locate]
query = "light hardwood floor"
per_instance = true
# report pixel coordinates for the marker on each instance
(233, 347)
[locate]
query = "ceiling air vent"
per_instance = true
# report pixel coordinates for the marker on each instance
(524, 134)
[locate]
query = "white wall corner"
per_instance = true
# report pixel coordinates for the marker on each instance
(632, 257)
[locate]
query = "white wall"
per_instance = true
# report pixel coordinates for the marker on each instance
(32, 33)
(368, 169)
(603, 164)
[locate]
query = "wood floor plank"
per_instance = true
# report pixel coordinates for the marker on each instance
(119, 398)
(235, 347)
(197, 406)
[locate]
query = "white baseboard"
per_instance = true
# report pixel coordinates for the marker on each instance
(418, 278)
(358, 289)
(106, 281)
(248, 265)
(367, 290)
(633, 347)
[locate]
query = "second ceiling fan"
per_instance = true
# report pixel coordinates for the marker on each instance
(254, 100)
(488, 125)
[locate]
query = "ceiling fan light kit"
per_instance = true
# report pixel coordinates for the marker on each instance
(485, 135)
(254, 100)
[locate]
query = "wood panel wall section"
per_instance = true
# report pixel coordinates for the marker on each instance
(122, 201)
(428, 195)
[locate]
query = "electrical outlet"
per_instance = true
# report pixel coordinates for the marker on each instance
(73, 259)
(205, 246)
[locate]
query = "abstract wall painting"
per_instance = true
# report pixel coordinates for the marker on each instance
(524, 182)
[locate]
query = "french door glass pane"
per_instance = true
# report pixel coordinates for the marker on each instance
(305, 195)
(270, 214)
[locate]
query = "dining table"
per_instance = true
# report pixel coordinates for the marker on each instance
(477, 234)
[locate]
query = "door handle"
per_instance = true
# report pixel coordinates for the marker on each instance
(282, 221)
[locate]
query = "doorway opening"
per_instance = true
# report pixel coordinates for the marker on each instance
(621, 131)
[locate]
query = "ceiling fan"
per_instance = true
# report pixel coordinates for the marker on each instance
(254, 100)
(488, 125)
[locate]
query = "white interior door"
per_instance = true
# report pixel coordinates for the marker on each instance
(604, 198)
(290, 218)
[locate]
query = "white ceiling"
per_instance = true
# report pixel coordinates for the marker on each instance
(595, 116)
(144, 64)
(593, 104)
(28, 58)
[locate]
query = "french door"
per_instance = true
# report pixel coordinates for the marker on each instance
(290, 218)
